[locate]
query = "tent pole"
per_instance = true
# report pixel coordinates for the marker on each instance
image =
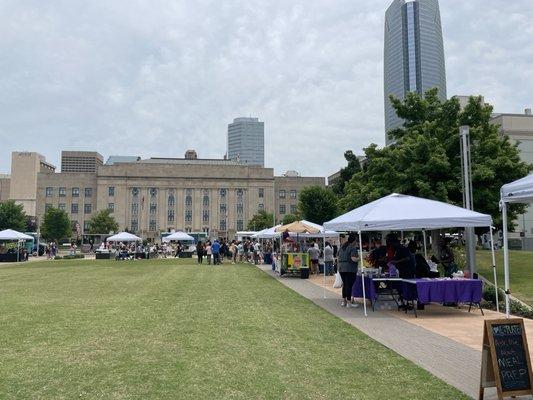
(362, 270)
(494, 270)
(425, 244)
(324, 258)
(18, 250)
(505, 257)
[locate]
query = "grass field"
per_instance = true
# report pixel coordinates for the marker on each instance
(158, 330)
(521, 272)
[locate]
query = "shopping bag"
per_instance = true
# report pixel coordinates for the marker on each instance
(338, 281)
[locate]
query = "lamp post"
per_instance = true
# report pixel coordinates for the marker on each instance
(468, 203)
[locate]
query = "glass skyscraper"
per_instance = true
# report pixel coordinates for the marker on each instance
(246, 141)
(414, 53)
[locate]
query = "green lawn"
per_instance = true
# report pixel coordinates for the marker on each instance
(158, 330)
(521, 272)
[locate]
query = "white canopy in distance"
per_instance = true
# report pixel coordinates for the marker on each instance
(401, 212)
(10, 234)
(124, 237)
(178, 236)
(520, 191)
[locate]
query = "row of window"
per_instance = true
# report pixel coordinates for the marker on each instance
(75, 192)
(74, 207)
(283, 194)
(152, 225)
(283, 209)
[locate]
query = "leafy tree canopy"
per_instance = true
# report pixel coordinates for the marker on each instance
(425, 161)
(102, 223)
(56, 224)
(12, 216)
(289, 218)
(317, 204)
(260, 221)
(346, 173)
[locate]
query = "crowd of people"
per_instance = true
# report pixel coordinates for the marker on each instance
(247, 250)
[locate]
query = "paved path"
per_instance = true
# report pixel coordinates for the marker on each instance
(453, 362)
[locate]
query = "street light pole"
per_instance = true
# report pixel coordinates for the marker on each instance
(468, 203)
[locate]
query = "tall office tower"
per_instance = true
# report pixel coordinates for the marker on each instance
(80, 161)
(246, 141)
(414, 54)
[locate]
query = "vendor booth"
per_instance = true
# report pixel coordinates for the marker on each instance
(398, 212)
(181, 237)
(121, 237)
(16, 252)
(520, 191)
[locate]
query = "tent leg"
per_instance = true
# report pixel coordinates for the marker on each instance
(425, 244)
(324, 252)
(494, 270)
(505, 258)
(362, 270)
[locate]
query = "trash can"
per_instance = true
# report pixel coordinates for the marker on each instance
(304, 273)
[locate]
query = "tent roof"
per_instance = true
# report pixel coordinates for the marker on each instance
(178, 236)
(520, 191)
(299, 227)
(10, 234)
(402, 212)
(270, 233)
(124, 237)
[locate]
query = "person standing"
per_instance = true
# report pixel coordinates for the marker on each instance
(200, 252)
(215, 249)
(348, 262)
(328, 259)
(314, 254)
(233, 251)
(208, 252)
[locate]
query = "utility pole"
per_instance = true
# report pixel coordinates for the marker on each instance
(468, 203)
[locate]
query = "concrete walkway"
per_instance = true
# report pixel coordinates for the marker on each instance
(453, 362)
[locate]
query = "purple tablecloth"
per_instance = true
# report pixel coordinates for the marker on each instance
(443, 291)
(370, 289)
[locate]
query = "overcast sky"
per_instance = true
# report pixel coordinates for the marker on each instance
(156, 77)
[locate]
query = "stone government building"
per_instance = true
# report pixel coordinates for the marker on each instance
(154, 195)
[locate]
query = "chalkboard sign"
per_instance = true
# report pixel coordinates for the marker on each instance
(505, 360)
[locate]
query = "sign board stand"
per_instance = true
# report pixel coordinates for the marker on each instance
(505, 361)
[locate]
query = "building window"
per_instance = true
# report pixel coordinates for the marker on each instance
(111, 191)
(240, 193)
(135, 208)
(205, 216)
(171, 200)
(293, 194)
(205, 201)
(188, 200)
(223, 209)
(261, 207)
(153, 208)
(152, 226)
(188, 216)
(223, 225)
(87, 208)
(282, 194)
(282, 208)
(62, 192)
(135, 192)
(261, 193)
(86, 226)
(49, 192)
(240, 225)
(62, 206)
(74, 208)
(294, 209)
(75, 192)
(88, 192)
(223, 193)
(47, 206)
(240, 208)
(134, 225)
(111, 207)
(170, 216)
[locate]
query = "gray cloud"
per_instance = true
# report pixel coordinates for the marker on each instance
(153, 78)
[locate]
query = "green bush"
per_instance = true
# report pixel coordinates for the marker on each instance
(516, 307)
(70, 257)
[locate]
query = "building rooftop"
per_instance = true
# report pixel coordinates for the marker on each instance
(187, 161)
(121, 159)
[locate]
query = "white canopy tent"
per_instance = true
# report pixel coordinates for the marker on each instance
(10, 235)
(124, 237)
(520, 191)
(397, 212)
(178, 236)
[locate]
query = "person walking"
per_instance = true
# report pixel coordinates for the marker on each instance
(314, 254)
(233, 251)
(348, 262)
(200, 252)
(215, 249)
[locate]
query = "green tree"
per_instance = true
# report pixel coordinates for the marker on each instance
(56, 224)
(425, 160)
(317, 204)
(346, 173)
(288, 218)
(260, 221)
(12, 216)
(102, 223)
